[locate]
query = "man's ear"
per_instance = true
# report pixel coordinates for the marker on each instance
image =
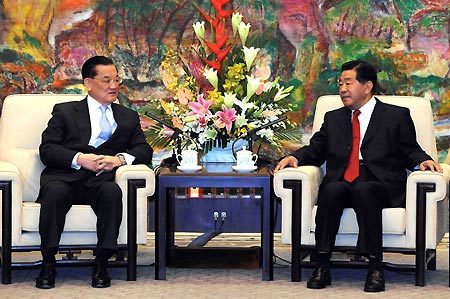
(87, 82)
(369, 87)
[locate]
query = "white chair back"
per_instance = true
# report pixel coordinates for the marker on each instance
(23, 119)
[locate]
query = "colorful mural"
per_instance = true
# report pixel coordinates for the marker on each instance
(44, 42)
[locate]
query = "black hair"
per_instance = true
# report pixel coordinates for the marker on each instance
(88, 69)
(364, 72)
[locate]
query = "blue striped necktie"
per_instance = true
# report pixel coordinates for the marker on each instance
(105, 127)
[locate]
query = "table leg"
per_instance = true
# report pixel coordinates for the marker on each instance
(267, 231)
(160, 263)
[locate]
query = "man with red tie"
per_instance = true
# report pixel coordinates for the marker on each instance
(83, 145)
(367, 145)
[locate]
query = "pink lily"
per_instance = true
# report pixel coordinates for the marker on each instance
(202, 121)
(226, 116)
(201, 107)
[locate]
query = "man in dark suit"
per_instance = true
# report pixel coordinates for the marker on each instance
(83, 145)
(367, 145)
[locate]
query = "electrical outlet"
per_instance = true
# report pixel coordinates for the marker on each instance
(223, 215)
(216, 215)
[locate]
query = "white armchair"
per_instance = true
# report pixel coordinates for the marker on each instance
(416, 229)
(24, 118)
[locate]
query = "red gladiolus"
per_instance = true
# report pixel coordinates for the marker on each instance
(214, 64)
(224, 13)
(208, 19)
(219, 30)
(213, 47)
(223, 53)
(219, 3)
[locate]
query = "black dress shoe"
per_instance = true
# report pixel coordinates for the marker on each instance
(100, 277)
(320, 278)
(374, 281)
(46, 278)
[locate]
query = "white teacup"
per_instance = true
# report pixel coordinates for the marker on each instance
(188, 158)
(246, 158)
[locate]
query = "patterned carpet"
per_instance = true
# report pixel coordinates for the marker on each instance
(227, 283)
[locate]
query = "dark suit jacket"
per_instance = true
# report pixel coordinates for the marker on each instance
(389, 146)
(69, 131)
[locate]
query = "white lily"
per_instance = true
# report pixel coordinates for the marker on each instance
(241, 120)
(211, 75)
(244, 105)
(236, 19)
(199, 29)
(243, 32)
(282, 93)
(252, 85)
(229, 99)
(250, 55)
(266, 133)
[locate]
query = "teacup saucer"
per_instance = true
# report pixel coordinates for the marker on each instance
(245, 168)
(189, 168)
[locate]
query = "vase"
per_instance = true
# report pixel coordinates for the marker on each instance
(219, 154)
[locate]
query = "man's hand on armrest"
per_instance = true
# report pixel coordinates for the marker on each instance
(430, 165)
(286, 161)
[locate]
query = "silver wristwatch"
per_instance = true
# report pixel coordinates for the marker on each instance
(122, 159)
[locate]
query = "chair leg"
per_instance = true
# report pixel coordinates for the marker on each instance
(6, 264)
(422, 190)
(133, 185)
(296, 260)
(6, 188)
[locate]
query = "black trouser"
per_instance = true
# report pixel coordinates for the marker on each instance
(57, 198)
(367, 196)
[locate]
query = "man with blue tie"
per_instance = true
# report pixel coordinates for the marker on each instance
(367, 145)
(83, 145)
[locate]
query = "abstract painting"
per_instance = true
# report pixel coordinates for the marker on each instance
(45, 42)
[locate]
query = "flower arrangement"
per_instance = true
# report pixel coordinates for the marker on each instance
(221, 88)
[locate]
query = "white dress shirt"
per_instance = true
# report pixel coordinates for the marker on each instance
(364, 119)
(95, 114)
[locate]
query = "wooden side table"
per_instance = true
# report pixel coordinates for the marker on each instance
(169, 178)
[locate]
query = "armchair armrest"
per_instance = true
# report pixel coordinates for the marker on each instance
(310, 177)
(436, 204)
(10, 173)
(135, 172)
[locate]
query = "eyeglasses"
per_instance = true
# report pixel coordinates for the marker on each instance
(108, 81)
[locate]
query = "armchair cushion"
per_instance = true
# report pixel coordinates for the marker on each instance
(393, 221)
(80, 218)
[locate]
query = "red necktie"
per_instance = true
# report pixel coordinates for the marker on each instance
(352, 170)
